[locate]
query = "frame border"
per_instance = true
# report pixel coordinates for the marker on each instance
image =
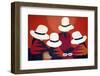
(15, 37)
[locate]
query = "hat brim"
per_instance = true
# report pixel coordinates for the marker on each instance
(40, 37)
(65, 29)
(73, 41)
(54, 44)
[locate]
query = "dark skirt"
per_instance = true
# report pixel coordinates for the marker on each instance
(34, 56)
(80, 57)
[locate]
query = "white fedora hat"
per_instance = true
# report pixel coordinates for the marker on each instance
(54, 40)
(78, 38)
(65, 25)
(40, 33)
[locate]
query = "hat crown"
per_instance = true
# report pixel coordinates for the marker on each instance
(76, 35)
(54, 36)
(41, 29)
(65, 21)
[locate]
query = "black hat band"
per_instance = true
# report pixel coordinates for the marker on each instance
(79, 38)
(66, 25)
(54, 41)
(39, 33)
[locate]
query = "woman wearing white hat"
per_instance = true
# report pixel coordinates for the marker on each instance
(65, 37)
(40, 33)
(54, 43)
(65, 25)
(80, 50)
(38, 46)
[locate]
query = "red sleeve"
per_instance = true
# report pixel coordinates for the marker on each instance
(38, 47)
